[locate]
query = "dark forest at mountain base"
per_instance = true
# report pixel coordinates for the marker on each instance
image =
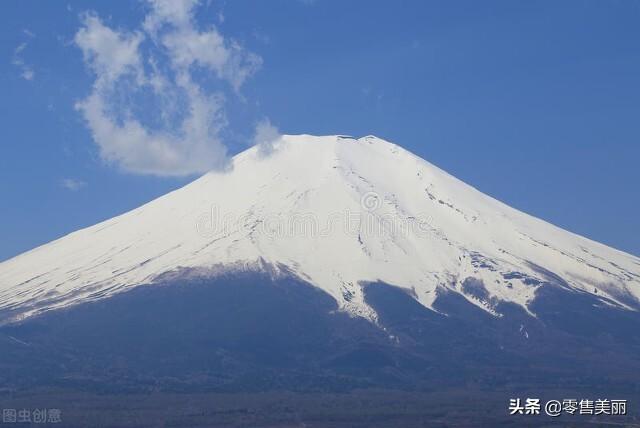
(235, 343)
(357, 409)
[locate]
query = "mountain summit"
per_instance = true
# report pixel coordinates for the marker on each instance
(336, 212)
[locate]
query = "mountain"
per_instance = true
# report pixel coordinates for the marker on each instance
(337, 212)
(328, 264)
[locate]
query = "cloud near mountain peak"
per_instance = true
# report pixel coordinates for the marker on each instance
(147, 112)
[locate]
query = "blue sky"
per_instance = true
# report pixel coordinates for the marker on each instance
(534, 103)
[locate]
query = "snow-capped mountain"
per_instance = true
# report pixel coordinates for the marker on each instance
(337, 212)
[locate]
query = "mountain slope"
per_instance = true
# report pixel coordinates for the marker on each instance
(338, 213)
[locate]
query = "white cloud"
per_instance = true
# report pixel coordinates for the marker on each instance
(109, 53)
(26, 71)
(265, 137)
(177, 12)
(28, 74)
(182, 135)
(72, 184)
(18, 50)
(187, 46)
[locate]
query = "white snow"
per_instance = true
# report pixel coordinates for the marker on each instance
(336, 211)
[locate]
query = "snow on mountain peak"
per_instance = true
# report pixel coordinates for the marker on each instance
(338, 212)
